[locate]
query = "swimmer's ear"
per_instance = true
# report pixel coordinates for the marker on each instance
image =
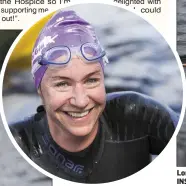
(39, 91)
(40, 94)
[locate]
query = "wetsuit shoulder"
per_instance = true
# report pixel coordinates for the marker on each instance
(130, 115)
(21, 131)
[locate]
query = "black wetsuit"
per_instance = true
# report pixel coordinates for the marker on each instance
(132, 127)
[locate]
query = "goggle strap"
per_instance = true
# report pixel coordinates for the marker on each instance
(105, 60)
(35, 67)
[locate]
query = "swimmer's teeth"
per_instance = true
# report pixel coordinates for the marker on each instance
(78, 115)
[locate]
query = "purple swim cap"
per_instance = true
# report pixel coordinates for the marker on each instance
(64, 28)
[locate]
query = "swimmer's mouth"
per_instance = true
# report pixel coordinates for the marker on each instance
(79, 114)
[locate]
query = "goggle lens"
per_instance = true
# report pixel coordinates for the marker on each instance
(57, 55)
(91, 51)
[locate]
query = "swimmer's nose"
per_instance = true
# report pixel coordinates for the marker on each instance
(79, 98)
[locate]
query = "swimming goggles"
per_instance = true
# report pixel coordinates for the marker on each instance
(61, 55)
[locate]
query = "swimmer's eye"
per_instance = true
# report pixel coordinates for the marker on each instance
(62, 84)
(92, 82)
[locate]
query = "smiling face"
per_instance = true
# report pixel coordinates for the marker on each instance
(74, 97)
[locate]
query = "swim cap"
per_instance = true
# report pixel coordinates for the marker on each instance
(64, 28)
